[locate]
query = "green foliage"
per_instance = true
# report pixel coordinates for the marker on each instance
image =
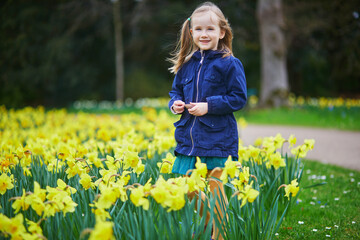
(53, 53)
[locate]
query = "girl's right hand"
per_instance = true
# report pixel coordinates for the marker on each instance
(178, 106)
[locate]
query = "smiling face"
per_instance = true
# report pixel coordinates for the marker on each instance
(206, 31)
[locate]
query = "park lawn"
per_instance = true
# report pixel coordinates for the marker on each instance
(337, 118)
(330, 211)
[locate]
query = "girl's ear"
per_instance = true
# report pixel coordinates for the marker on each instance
(190, 31)
(222, 34)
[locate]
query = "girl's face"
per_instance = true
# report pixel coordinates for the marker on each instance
(206, 31)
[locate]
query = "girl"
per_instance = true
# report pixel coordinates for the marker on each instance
(209, 86)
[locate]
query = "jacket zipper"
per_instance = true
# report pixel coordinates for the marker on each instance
(197, 96)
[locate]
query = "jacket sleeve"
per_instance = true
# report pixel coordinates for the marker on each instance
(236, 93)
(176, 92)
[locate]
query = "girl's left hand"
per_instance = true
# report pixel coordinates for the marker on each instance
(199, 109)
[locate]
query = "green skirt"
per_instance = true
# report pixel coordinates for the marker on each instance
(184, 163)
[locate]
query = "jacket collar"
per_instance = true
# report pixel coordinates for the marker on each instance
(208, 54)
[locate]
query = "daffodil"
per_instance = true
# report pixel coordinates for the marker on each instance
(20, 203)
(248, 194)
(167, 163)
(201, 168)
(230, 169)
(61, 185)
(107, 197)
(85, 181)
(6, 183)
(292, 140)
(292, 189)
(278, 141)
(309, 143)
(276, 160)
(103, 230)
(138, 198)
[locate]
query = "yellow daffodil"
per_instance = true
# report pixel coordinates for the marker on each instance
(138, 198)
(103, 230)
(276, 160)
(291, 189)
(292, 140)
(85, 181)
(61, 185)
(248, 194)
(20, 203)
(201, 168)
(6, 183)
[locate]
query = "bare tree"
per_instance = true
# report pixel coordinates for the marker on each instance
(274, 87)
(119, 51)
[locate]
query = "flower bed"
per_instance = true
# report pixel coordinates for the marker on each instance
(71, 176)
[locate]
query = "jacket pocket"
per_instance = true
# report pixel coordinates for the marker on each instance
(213, 84)
(180, 130)
(213, 77)
(188, 88)
(212, 131)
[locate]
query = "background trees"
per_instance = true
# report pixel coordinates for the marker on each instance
(53, 53)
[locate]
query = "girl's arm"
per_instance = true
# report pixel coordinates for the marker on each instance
(236, 95)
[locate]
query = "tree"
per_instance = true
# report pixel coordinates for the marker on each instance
(119, 55)
(274, 86)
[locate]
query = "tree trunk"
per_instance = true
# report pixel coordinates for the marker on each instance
(274, 87)
(119, 52)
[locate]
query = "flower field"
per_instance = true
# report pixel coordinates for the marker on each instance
(98, 176)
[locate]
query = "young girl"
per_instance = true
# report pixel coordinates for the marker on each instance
(209, 86)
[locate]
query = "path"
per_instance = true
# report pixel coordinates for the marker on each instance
(336, 147)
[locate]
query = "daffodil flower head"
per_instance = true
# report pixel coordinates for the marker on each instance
(276, 160)
(6, 183)
(292, 140)
(248, 194)
(201, 167)
(292, 189)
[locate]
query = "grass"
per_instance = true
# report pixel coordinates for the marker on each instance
(336, 118)
(329, 211)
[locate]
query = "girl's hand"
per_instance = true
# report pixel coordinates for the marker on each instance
(178, 106)
(199, 109)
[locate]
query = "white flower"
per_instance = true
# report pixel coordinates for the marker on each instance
(276, 234)
(336, 226)
(337, 199)
(314, 198)
(351, 174)
(300, 222)
(308, 171)
(328, 236)
(353, 222)
(312, 203)
(331, 176)
(327, 228)
(352, 180)
(314, 230)
(322, 206)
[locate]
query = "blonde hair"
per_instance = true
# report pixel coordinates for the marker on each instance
(186, 47)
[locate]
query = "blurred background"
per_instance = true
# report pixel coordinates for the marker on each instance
(53, 53)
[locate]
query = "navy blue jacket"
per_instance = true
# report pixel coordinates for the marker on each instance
(208, 77)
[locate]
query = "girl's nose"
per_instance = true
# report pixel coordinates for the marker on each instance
(203, 34)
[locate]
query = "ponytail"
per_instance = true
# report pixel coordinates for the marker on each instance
(184, 48)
